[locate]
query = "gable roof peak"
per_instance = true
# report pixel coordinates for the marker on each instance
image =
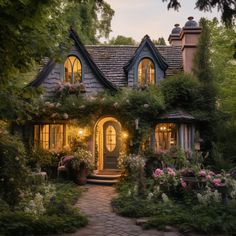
(78, 43)
(159, 58)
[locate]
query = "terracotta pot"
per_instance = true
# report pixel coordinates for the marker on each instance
(81, 177)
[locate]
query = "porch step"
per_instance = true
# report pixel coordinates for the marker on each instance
(104, 177)
(102, 181)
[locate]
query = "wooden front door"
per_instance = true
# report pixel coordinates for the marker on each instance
(111, 144)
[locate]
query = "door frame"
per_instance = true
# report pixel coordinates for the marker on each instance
(98, 139)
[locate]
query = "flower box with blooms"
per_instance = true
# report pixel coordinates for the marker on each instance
(68, 88)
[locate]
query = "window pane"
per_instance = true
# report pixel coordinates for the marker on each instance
(146, 72)
(73, 71)
(68, 70)
(110, 138)
(166, 136)
(44, 136)
(36, 135)
(56, 136)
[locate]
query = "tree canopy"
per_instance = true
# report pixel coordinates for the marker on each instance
(122, 40)
(32, 30)
(227, 8)
(159, 41)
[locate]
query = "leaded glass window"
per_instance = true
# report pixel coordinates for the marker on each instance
(146, 72)
(110, 138)
(72, 70)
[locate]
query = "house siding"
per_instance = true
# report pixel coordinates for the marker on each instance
(91, 83)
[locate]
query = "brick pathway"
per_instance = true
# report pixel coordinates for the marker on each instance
(96, 204)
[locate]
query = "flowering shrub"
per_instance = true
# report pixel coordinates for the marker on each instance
(82, 157)
(209, 196)
(64, 89)
(134, 164)
(13, 170)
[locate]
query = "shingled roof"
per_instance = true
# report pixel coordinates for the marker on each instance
(112, 59)
(176, 115)
(109, 62)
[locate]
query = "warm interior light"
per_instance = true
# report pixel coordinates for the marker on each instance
(125, 135)
(81, 132)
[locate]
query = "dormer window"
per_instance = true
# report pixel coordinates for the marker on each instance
(146, 72)
(72, 70)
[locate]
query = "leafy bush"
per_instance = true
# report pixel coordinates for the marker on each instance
(47, 209)
(46, 160)
(20, 223)
(181, 90)
(13, 171)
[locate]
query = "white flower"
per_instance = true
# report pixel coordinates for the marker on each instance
(150, 196)
(65, 116)
(165, 198)
(146, 105)
(58, 105)
(116, 104)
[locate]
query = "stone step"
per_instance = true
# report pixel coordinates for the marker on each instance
(104, 176)
(102, 181)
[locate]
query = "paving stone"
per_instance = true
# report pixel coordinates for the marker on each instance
(96, 204)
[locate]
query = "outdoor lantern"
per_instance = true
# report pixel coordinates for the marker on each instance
(125, 135)
(81, 132)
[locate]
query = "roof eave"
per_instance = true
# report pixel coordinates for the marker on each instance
(74, 36)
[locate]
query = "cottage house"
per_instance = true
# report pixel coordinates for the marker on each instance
(106, 67)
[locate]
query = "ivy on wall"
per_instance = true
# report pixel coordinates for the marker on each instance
(137, 110)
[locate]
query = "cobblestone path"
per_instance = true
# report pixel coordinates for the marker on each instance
(96, 204)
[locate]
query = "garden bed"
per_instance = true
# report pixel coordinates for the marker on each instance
(46, 210)
(204, 202)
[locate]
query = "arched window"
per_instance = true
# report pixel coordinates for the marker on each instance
(146, 72)
(72, 70)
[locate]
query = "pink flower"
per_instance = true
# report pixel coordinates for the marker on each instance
(67, 158)
(158, 172)
(202, 173)
(170, 171)
(211, 173)
(183, 184)
(217, 182)
(208, 177)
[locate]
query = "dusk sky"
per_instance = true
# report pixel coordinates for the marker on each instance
(136, 18)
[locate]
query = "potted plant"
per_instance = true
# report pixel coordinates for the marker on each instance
(80, 166)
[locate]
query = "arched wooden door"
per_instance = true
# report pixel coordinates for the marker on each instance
(111, 144)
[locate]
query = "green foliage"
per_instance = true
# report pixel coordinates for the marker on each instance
(223, 66)
(25, 224)
(227, 8)
(160, 41)
(60, 215)
(127, 105)
(18, 104)
(13, 171)
(184, 211)
(132, 207)
(181, 91)
(45, 160)
(30, 32)
(122, 40)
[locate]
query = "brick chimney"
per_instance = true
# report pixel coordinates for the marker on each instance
(189, 37)
(174, 38)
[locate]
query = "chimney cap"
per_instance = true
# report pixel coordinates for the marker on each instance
(176, 30)
(191, 23)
